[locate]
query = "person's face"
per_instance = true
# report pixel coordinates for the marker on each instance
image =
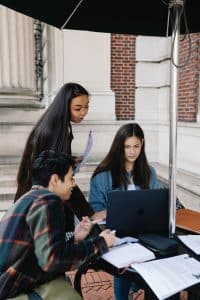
(64, 188)
(79, 108)
(132, 149)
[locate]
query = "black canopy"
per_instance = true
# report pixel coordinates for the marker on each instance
(131, 17)
(114, 16)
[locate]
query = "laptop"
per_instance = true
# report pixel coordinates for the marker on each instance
(132, 213)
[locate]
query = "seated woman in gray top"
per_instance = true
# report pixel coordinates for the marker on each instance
(125, 167)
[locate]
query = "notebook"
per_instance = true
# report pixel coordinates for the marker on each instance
(169, 276)
(141, 211)
(123, 256)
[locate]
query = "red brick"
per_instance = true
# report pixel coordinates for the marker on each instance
(123, 74)
(123, 77)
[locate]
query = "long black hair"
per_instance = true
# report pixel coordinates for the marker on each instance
(52, 131)
(115, 162)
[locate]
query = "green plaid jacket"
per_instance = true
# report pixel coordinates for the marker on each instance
(33, 249)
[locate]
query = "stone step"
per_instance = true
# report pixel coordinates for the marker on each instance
(4, 205)
(8, 175)
(188, 185)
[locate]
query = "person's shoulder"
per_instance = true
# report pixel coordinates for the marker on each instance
(39, 192)
(101, 176)
(152, 170)
(50, 196)
(43, 197)
(154, 182)
(44, 203)
(153, 174)
(23, 204)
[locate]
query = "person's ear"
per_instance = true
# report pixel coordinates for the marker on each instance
(53, 181)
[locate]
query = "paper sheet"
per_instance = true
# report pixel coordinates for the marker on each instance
(122, 256)
(169, 276)
(192, 241)
(86, 153)
(124, 240)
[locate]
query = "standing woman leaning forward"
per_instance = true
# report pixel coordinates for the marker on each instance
(125, 167)
(54, 131)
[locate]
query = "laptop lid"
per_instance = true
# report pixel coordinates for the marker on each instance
(141, 211)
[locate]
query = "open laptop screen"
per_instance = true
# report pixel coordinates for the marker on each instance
(141, 211)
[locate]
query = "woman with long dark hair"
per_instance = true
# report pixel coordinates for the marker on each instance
(125, 167)
(54, 131)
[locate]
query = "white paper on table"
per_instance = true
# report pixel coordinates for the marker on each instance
(169, 276)
(124, 240)
(86, 153)
(122, 256)
(192, 241)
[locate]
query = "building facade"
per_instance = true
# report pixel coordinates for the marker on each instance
(128, 79)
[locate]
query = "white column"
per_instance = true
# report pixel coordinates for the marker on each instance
(17, 78)
(152, 78)
(198, 109)
(54, 62)
(152, 94)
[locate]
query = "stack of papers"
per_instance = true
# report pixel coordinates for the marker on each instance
(192, 241)
(124, 255)
(169, 276)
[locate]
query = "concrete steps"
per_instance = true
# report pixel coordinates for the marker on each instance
(188, 185)
(83, 177)
(8, 173)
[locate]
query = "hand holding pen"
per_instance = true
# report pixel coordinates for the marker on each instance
(82, 229)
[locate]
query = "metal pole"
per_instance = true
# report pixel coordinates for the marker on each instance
(176, 8)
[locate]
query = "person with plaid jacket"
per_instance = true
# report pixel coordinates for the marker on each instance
(34, 252)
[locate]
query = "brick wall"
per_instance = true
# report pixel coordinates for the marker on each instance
(123, 75)
(189, 80)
